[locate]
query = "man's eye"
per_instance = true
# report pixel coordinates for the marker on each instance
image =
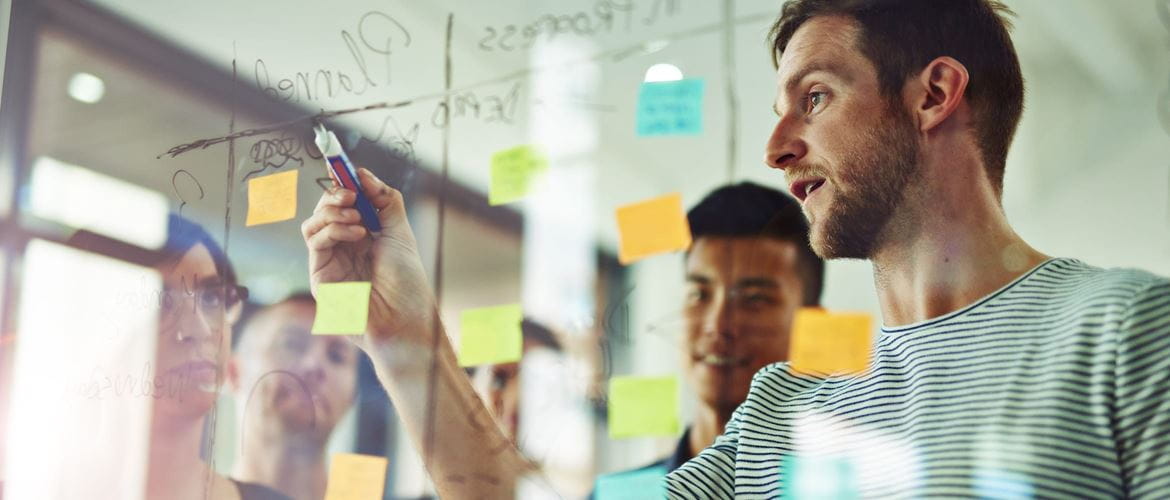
(698, 295)
(813, 100)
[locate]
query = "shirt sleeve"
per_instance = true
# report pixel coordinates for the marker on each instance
(711, 474)
(1142, 416)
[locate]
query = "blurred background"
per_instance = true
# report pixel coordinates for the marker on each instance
(98, 95)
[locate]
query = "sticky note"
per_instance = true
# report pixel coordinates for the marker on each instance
(490, 335)
(513, 173)
(827, 343)
(652, 227)
(342, 308)
(639, 484)
(670, 108)
(356, 477)
(820, 477)
(272, 198)
(643, 406)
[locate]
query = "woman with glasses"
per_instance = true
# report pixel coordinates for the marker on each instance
(199, 304)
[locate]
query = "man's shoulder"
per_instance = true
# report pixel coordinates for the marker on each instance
(1065, 279)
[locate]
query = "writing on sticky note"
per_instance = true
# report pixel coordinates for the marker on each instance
(643, 406)
(490, 335)
(342, 308)
(356, 477)
(513, 173)
(272, 198)
(824, 343)
(639, 484)
(828, 477)
(652, 227)
(670, 108)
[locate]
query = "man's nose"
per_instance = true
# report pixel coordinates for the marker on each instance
(719, 320)
(785, 147)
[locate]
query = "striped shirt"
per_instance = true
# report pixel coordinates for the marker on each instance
(1055, 386)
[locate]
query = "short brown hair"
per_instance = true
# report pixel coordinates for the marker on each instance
(900, 37)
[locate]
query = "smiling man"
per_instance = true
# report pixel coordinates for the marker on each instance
(999, 372)
(749, 270)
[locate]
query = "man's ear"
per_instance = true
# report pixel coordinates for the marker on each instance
(938, 91)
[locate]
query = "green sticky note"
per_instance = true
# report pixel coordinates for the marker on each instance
(342, 308)
(643, 406)
(670, 108)
(513, 173)
(490, 335)
(641, 484)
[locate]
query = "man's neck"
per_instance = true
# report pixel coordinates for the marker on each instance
(957, 249)
(708, 425)
(290, 463)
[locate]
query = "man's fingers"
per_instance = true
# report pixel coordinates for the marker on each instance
(337, 197)
(328, 214)
(381, 195)
(335, 233)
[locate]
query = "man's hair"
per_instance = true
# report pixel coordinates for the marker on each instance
(900, 37)
(751, 210)
(252, 310)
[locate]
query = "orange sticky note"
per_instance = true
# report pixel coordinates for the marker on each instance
(825, 343)
(272, 198)
(651, 227)
(356, 477)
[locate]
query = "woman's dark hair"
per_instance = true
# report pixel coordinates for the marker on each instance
(183, 235)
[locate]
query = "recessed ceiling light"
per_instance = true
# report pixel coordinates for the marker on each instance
(86, 88)
(663, 73)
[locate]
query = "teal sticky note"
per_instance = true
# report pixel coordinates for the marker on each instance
(819, 478)
(671, 108)
(641, 484)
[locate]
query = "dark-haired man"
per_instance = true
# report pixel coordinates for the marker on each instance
(291, 390)
(1000, 371)
(748, 271)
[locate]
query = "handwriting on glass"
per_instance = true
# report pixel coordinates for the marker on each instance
(605, 16)
(378, 35)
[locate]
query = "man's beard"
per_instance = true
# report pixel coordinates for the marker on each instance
(873, 178)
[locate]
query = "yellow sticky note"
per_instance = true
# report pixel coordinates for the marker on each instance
(643, 406)
(513, 172)
(342, 308)
(651, 227)
(490, 335)
(356, 477)
(825, 343)
(272, 198)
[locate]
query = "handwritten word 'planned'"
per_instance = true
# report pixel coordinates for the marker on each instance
(378, 33)
(601, 20)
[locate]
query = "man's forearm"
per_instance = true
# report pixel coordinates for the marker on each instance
(466, 454)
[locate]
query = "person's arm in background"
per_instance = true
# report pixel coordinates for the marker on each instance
(465, 453)
(1143, 394)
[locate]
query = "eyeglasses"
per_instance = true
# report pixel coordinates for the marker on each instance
(217, 303)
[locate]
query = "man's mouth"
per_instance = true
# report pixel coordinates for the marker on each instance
(803, 188)
(722, 361)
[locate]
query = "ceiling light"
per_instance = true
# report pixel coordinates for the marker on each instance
(663, 73)
(86, 88)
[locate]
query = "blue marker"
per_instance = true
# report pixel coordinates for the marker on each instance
(346, 175)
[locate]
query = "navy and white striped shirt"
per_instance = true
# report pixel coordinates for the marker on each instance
(1057, 385)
